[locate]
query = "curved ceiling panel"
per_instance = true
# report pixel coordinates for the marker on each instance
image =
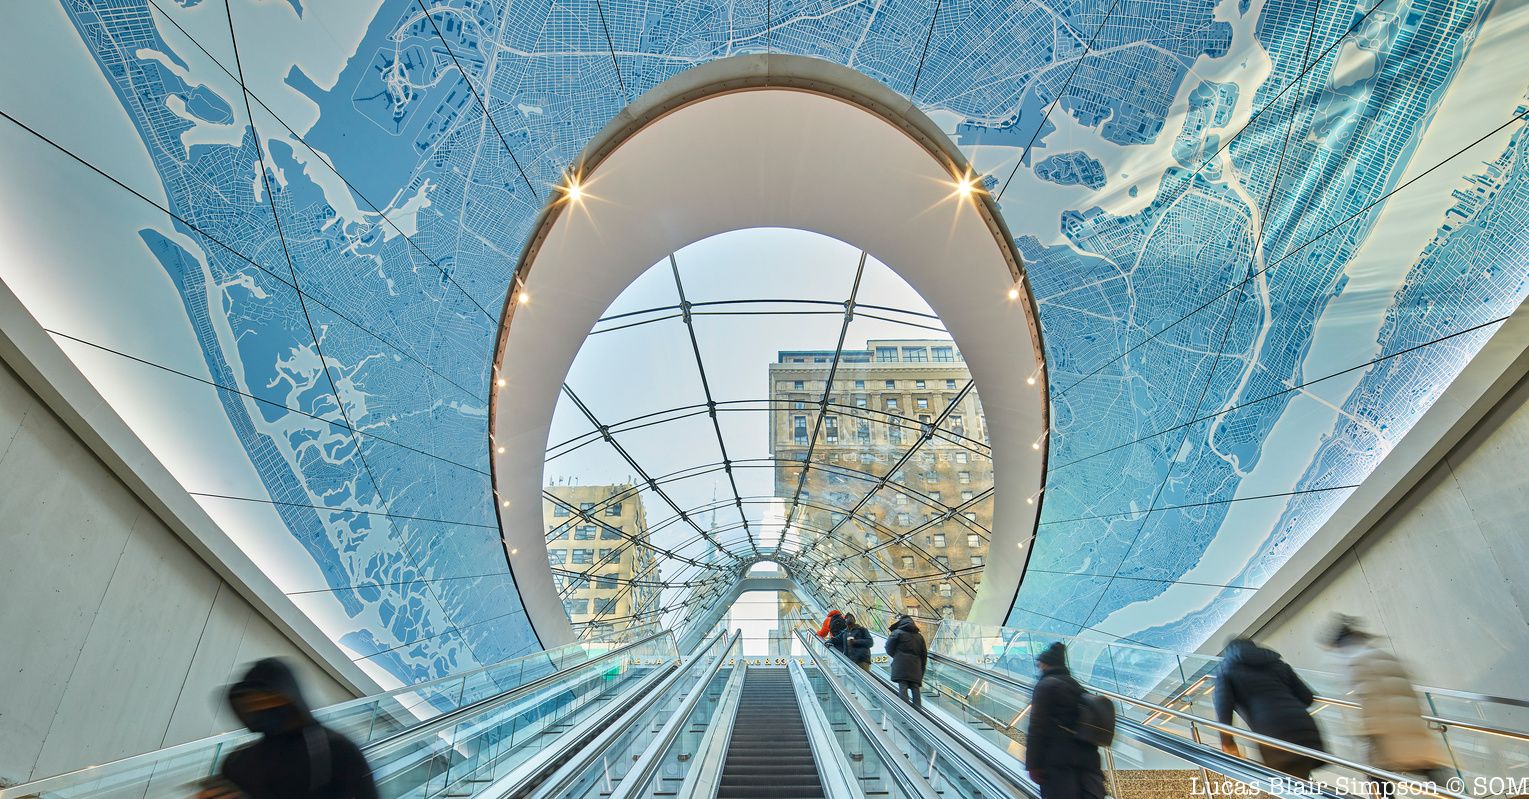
(1263, 237)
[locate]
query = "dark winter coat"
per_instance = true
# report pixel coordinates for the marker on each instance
(305, 761)
(909, 653)
(1263, 689)
(1050, 743)
(857, 644)
(837, 627)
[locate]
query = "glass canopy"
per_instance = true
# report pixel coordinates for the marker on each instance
(847, 443)
(277, 238)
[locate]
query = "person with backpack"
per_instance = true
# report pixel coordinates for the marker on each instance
(296, 757)
(832, 625)
(1257, 685)
(1062, 741)
(857, 643)
(910, 656)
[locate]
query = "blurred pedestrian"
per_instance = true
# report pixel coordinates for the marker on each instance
(1261, 688)
(910, 656)
(296, 757)
(1063, 764)
(1390, 716)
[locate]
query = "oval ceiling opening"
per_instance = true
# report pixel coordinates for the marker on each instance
(714, 160)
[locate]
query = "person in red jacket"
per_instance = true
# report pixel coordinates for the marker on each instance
(828, 627)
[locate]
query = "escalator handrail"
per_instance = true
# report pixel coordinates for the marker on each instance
(1005, 769)
(711, 753)
(529, 780)
(407, 737)
(953, 750)
(236, 738)
(897, 765)
(837, 779)
(1411, 783)
(647, 764)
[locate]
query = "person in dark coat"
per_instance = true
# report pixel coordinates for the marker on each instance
(1064, 766)
(909, 658)
(1261, 688)
(296, 757)
(834, 617)
(857, 643)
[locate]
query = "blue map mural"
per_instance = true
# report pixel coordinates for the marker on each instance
(1198, 187)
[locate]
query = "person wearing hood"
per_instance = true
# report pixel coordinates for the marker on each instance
(1063, 765)
(832, 626)
(1390, 716)
(857, 643)
(1261, 688)
(296, 757)
(910, 656)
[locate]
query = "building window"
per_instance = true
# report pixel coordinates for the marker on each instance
(798, 405)
(918, 384)
(863, 431)
(901, 499)
(958, 425)
(557, 557)
(961, 457)
(977, 560)
(561, 511)
(605, 607)
(613, 509)
(562, 533)
(942, 560)
(576, 607)
(831, 428)
(963, 477)
(904, 519)
(967, 495)
(886, 354)
(947, 612)
(894, 434)
(606, 582)
(934, 495)
(799, 425)
(908, 562)
(945, 590)
(973, 540)
(859, 385)
(950, 384)
(971, 517)
(921, 403)
(861, 401)
(585, 508)
(870, 539)
(609, 533)
(944, 354)
(798, 384)
(584, 532)
(891, 403)
(939, 539)
(891, 384)
(583, 557)
(915, 354)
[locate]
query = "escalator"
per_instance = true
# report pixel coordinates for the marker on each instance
(769, 755)
(644, 721)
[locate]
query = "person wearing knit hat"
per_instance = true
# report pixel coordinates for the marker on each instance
(1062, 764)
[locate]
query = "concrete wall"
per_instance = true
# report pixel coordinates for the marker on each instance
(115, 638)
(1444, 575)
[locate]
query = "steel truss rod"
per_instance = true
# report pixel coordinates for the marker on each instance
(711, 402)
